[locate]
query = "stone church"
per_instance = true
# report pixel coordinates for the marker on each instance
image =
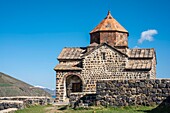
(107, 57)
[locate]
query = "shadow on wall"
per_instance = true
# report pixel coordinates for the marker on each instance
(164, 107)
(90, 99)
(85, 101)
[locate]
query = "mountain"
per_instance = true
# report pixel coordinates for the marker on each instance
(50, 91)
(10, 86)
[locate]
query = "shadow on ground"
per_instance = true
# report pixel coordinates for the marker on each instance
(164, 107)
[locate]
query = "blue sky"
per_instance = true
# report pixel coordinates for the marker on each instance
(33, 32)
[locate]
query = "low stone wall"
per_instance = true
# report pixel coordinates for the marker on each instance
(132, 92)
(6, 104)
(81, 98)
(21, 102)
(125, 93)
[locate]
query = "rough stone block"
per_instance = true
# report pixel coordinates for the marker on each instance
(162, 85)
(157, 81)
(142, 85)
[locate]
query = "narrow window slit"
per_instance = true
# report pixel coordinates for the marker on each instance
(103, 56)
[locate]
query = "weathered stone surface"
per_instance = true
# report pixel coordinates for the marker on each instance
(21, 102)
(124, 94)
(133, 92)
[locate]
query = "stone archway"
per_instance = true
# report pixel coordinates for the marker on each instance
(73, 84)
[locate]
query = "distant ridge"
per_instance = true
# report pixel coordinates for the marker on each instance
(50, 91)
(10, 86)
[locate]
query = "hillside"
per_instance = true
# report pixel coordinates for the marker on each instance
(51, 92)
(10, 86)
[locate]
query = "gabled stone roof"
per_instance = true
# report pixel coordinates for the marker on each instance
(79, 52)
(139, 64)
(141, 53)
(109, 24)
(87, 53)
(140, 59)
(71, 53)
(68, 66)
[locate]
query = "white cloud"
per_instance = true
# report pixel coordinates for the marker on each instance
(147, 35)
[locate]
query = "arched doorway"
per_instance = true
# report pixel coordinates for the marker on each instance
(73, 84)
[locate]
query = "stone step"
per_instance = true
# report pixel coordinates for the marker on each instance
(60, 103)
(66, 102)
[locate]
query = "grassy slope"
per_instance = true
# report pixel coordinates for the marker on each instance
(10, 86)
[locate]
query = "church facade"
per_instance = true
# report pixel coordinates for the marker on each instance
(107, 57)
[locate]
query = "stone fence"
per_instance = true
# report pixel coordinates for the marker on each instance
(128, 93)
(132, 92)
(20, 102)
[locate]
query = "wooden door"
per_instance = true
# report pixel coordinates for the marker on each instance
(76, 87)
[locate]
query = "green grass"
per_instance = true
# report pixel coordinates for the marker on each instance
(141, 109)
(54, 109)
(5, 85)
(33, 109)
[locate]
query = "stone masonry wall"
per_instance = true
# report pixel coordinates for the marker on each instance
(132, 92)
(112, 38)
(153, 69)
(95, 68)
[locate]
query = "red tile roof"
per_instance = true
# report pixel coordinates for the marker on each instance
(109, 24)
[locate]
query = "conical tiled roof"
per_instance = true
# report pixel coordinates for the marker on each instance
(109, 24)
